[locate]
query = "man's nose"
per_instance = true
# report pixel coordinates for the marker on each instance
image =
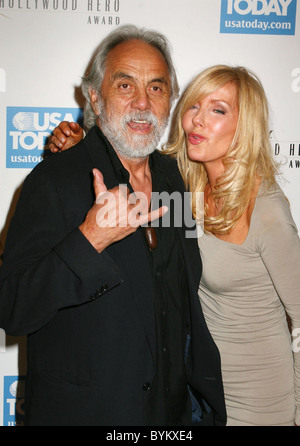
(141, 100)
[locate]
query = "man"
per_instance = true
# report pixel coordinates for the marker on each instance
(116, 335)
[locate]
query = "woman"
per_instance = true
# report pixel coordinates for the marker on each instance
(250, 246)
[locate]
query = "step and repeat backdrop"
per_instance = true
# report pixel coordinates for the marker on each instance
(46, 46)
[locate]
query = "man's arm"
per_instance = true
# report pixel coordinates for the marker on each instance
(46, 266)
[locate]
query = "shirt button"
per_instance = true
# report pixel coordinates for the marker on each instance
(103, 289)
(99, 292)
(146, 387)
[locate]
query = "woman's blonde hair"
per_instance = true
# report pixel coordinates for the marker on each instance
(249, 156)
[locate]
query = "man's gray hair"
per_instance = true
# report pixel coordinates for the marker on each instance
(95, 73)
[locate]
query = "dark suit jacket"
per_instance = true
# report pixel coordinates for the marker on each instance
(89, 317)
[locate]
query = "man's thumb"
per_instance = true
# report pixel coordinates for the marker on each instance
(99, 186)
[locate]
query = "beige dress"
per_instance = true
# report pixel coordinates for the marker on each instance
(244, 291)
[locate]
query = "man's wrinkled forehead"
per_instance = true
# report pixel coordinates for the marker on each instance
(135, 58)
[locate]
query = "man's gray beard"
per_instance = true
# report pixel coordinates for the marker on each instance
(130, 145)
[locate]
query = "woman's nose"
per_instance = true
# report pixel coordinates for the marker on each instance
(199, 118)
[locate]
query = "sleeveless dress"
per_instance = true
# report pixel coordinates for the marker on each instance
(245, 292)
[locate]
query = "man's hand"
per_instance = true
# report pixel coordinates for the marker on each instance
(66, 135)
(115, 214)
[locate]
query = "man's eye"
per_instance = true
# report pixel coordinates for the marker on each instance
(124, 86)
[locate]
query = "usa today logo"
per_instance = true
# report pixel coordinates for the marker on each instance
(13, 400)
(258, 16)
(28, 129)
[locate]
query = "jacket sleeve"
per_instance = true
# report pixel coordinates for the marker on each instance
(47, 264)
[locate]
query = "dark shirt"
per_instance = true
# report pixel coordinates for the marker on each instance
(169, 395)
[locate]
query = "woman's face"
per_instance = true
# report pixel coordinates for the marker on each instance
(210, 125)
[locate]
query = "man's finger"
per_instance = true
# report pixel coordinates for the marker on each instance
(153, 215)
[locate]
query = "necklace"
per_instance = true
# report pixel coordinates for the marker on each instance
(151, 237)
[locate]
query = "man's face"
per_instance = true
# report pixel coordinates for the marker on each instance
(135, 103)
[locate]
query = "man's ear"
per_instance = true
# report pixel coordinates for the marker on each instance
(94, 96)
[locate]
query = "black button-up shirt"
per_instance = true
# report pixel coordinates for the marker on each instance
(168, 393)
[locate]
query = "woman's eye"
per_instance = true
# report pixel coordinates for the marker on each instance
(218, 111)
